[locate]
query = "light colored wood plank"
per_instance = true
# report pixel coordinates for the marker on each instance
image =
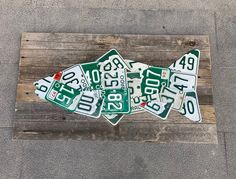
(93, 42)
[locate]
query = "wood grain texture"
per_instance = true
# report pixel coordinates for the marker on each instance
(126, 131)
(43, 54)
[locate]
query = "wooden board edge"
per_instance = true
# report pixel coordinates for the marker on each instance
(115, 34)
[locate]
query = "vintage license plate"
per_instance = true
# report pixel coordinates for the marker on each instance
(153, 79)
(114, 119)
(191, 108)
(188, 64)
(176, 97)
(113, 70)
(90, 104)
(134, 83)
(63, 95)
(111, 60)
(136, 66)
(137, 97)
(114, 79)
(74, 77)
(93, 75)
(42, 87)
(157, 108)
(183, 82)
(138, 100)
(116, 101)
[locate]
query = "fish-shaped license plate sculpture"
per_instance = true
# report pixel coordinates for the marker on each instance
(113, 87)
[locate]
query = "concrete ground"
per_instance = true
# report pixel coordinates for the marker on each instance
(86, 159)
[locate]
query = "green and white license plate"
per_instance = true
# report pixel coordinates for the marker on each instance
(90, 103)
(111, 60)
(157, 108)
(92, 74)
(115, 79)
(116, 101)
(137, 97)
(188, 63)
(191, 107)
(137, 77)
(134, 77)
(64, 96)
(114, 83)
(42, 87)
(183, 82)
(113, 71)
(74, 77)
(136, 66)
(114, 119)
(153, 79)
(116, 92)
(169, 95)
(138, 100)
(134, 81)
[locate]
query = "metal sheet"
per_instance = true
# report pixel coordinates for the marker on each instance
(191, 108)
(90, 104)
(169, 95)
(157, 108)
(188, 63)
(113, 119)
(63, 95)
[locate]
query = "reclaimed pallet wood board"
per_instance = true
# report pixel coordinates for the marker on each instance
(42, 54)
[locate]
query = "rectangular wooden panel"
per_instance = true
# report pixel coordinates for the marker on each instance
(43, 54)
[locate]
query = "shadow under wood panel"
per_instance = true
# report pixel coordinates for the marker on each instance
(43, 54)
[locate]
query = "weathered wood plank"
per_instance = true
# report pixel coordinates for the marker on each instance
(162, 54)
(101, 46)
(43, 54)
(124, 43)
(44, 111)
(167, 41)
(32, 57)
(127, 131)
